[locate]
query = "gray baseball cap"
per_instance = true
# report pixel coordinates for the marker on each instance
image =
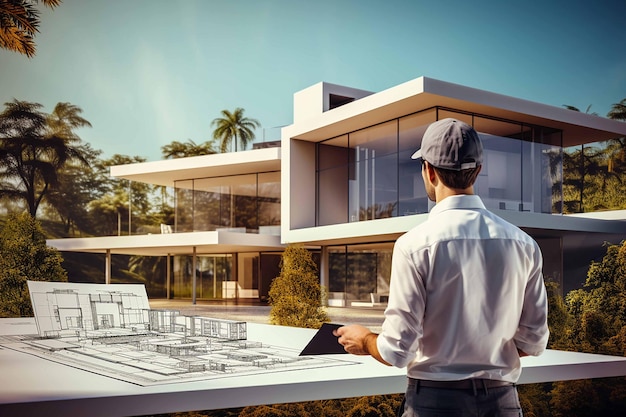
(451, 144)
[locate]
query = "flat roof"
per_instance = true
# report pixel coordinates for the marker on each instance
(167, 172)
(423, 93)
(171, 243)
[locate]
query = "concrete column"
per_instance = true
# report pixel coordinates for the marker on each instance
(324, 270)
(168, 275)
(235, 274)
(107, 267)
(194, 264)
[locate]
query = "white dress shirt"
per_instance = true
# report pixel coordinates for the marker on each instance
(466, 292)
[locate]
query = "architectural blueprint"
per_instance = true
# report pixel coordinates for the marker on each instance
(111, 330)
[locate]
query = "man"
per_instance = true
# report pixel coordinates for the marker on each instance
(467, 296)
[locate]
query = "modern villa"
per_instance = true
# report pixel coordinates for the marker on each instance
(342, 183)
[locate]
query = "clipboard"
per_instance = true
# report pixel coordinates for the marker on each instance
(324, 342)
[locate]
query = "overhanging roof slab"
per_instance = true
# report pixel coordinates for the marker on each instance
(171, 243)
(424, 93)
(390, 229)
(167, 172)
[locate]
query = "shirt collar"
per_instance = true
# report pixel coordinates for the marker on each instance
(461, 201)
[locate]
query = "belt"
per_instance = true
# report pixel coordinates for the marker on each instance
(469, 384)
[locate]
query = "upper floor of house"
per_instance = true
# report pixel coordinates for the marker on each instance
(346, 160)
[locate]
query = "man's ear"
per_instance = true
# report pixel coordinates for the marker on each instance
(432, 175)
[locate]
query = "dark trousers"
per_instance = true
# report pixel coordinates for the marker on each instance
(477, 399)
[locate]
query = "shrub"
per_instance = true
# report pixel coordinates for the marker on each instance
(296, 295)
(24, 256)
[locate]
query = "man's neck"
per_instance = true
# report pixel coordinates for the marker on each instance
(442, 193)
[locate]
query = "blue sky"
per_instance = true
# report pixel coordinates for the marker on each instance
(148, 72)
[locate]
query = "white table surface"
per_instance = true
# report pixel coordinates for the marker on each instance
(32, 386)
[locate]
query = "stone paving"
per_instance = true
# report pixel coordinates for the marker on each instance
(371, 317)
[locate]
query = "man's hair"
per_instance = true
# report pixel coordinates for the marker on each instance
(458, 179)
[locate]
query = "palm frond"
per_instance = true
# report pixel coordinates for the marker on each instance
(19, 22)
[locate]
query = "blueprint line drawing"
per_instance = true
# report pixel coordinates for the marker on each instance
(109, 329)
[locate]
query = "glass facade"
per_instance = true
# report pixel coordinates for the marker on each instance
(360, 273)
(368, 174)
(244, 203)
(244, 275)
(248, 203)
(212, 276)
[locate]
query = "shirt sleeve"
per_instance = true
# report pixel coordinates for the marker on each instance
(532, 333)
(402, 328)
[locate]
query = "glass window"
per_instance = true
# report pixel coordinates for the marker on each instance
(547, 196)
(412, 194)
(235, 202)
(374, 161)
(333, 181)
(378, 140)
(500, 181)
(243, 203)
(212, 276)
(462, 116)
(269, 200)
(207, 203)
(184, 206)
(337, 270)
(522, 169)
(360, 273)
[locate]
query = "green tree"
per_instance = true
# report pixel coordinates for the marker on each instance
(24, 256)
(81, 184)
(375, 406)
(296, 295)
(277, 410)
(594, 175)
(32, 152)
(124, 204)
(617, 146)
(598, 314)
(618, 111)
(148, 269)
(19, 23)
(535, 399)
(178, 149)
(559, 320)
(234, 128)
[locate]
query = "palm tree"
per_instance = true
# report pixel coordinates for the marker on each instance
(178, 149)
(234, 127)
(32, 153)
(79, 183)
(64, 119)
(590, 163)
(19, 22)
(617, 146)
(573, 108)
(583, 159)
(618, 111)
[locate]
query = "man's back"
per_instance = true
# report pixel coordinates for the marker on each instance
(466, 298)
(466, 273)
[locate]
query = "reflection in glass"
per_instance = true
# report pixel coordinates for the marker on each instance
(243, 203)
(211, 275)
(184, 206)
(369, 174)
(360, 273)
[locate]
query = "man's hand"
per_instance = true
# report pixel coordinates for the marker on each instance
(359, 340)
(354, 339)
